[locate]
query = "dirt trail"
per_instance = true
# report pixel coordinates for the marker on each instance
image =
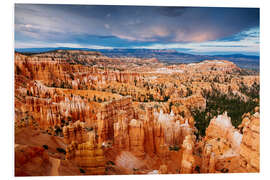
(55, 166)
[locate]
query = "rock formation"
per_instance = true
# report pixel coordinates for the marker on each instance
(108, 115)
(250, 146)
(208, 160)
(187, 163)
(75, 132)
(136, 138)
(131, 115)
(88, 156)
(121, 131)
(221, 128)
(163, 169)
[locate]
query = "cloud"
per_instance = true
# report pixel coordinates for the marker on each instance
(132, 26)
(247, 44)
(54, 45)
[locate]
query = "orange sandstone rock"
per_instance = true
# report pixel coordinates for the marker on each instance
(187, 159)
(136, 138)
(250, 146)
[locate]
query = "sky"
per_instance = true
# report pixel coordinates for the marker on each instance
(195, 30)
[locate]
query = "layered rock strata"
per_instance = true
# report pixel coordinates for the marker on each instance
(75, 132)
(250, 146)
(87, 156)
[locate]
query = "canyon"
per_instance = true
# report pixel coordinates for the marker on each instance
(84, 113)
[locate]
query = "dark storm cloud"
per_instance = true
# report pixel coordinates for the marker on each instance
(129, 25)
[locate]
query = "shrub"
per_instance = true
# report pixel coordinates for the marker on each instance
(224, 170)
(61, 150)
(69, 118)
(151, 97)
(99, 100)
(197, 168)
(174, 148)
(57, 130)
(166, 98)
(89, 128)
(82, 170)
(45, 146)
(110, 163)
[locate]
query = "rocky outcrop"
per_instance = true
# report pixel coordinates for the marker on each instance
(194, 102)
(208, 159)
(250, 146)
(87, 156)
(220, 146)
(149, 137)
(108, 115)
(163, 169)
(121, 131)
(136, 138)
(75, 132)
(187, 163)
(220, 128)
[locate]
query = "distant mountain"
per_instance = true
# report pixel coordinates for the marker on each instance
(164, 55)
(41, 50)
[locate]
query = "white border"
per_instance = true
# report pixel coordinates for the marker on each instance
(6, 109)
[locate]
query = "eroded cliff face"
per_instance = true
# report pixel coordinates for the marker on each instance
(222, 141)
(227, 149)
(188, 160)
(131, 115)
(136, 138)
(88, 156)
(121, 131)
(250, 146)
(75, 132)
(109, 114)
(221, 129)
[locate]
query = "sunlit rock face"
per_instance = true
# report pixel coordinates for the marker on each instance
(194, 102)
(109, 114)
(163, 169)
(227, 149)
(221, 143)
(88, 155)
(187, 163)
(170, 126)
(121, 131)
(208, 159)
(149, 143)
(75, 132)
(222, 128)
(250, 146)
(136, 138)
